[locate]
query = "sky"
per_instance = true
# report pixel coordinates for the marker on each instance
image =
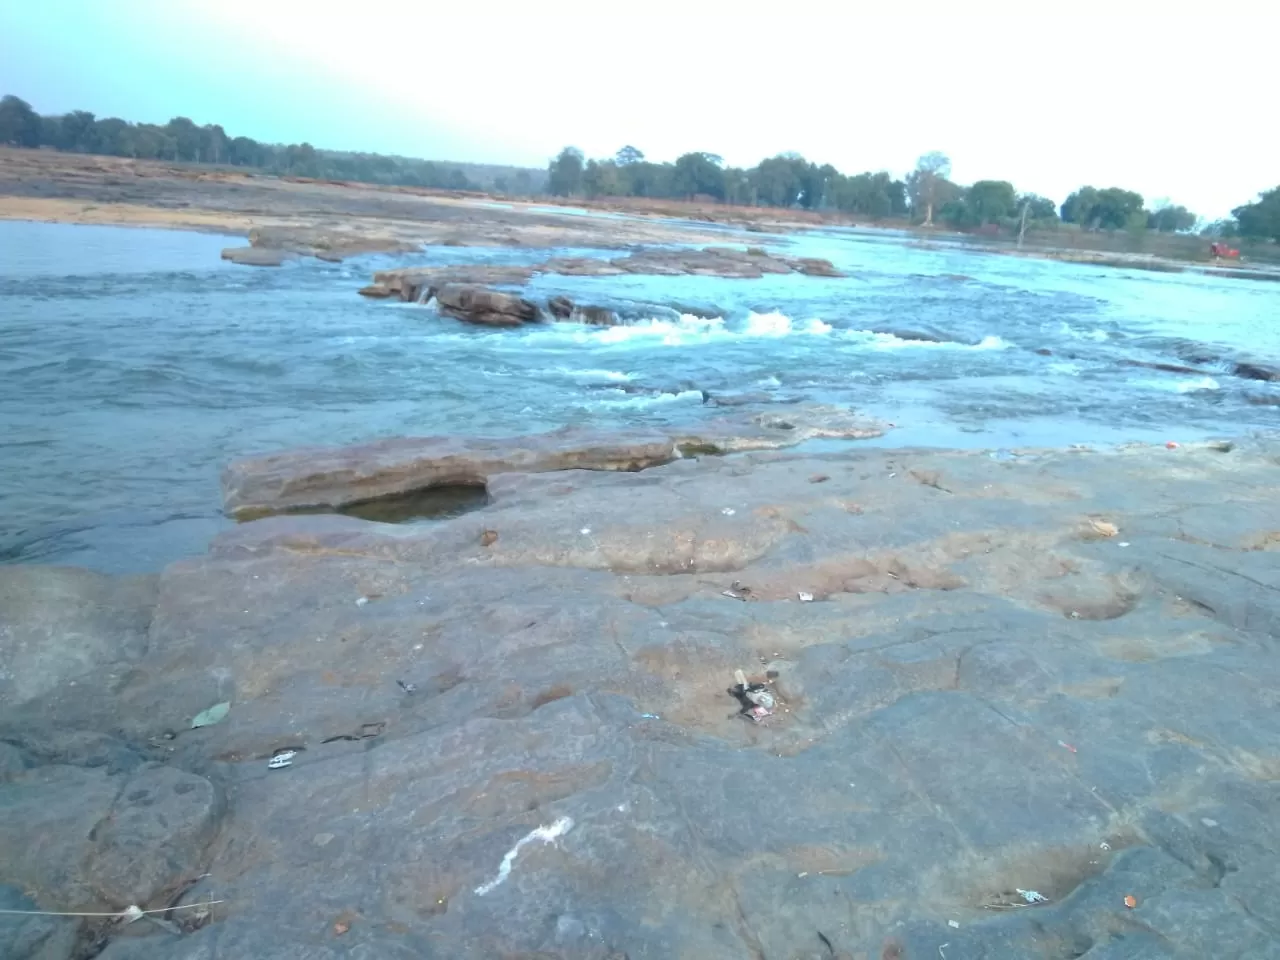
(1177, 104)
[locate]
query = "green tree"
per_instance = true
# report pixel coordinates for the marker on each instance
(1039, 209)
(602, 178)
(19, 124)
(1109, 209)
(699, 173)
(564, 174)
(925, 185)
(628, 155)
(1260, 219)
(215, 145)
(77, 132)
(777, 181)
(991, 201)
(1171, 219)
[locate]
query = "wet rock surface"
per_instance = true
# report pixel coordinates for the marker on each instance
(331, 478)
(1051, 672)
(422, 284)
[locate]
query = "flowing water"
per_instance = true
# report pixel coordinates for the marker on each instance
(134, 364)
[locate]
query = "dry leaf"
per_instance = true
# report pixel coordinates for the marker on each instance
(340, 928)
(1104, 528)
(488, 538)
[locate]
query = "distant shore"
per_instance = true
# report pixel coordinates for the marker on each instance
(52, 187)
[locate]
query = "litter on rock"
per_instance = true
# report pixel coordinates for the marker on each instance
(407, 687)
(728, 511)
(1012, 901)
(954, 924)
(649, 716)
(806, 597)
(737, 591)
(207, 718)
(1104, 528)
(281, 759)
(1172, 445)
(757, 700)
(1066, 746)
(361, 601)
(1130, 901)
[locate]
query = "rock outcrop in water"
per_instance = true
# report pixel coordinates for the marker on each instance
(331, 479)
(272, 246)
(417, 284)
(512, 734)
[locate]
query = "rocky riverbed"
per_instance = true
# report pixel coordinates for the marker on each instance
(287, 218)
(1007, 705)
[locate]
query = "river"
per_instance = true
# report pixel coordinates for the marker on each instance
(134, 364)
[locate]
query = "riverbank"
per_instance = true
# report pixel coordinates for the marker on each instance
(72, 188)
(1012, 700)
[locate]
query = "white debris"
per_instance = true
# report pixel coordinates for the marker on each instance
(281, 760)
(362, 601)
(545, 834)
(953, 924)
(1032, 896)
(132, 913)
(1104, 845)
(1208, 823)
(585, 531)
(806, 597)
(728, 511)
(1122, 544)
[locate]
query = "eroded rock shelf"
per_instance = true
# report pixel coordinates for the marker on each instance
(1051, 672)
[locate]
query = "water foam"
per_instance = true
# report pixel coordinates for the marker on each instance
(887, 341)
(611, 376)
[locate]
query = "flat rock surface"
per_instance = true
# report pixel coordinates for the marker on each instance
(995, 679)
(331, 478)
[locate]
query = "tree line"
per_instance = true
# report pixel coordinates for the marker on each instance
(182, 140)
(927, 195)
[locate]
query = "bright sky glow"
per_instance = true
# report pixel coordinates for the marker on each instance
(1172, 100)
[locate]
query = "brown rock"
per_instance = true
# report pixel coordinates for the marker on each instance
(331, 478)
(257, 257)
(154, 837)
(595, 316)
(476, 304)
(560, 307)
(376, 291)
(814, 267)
